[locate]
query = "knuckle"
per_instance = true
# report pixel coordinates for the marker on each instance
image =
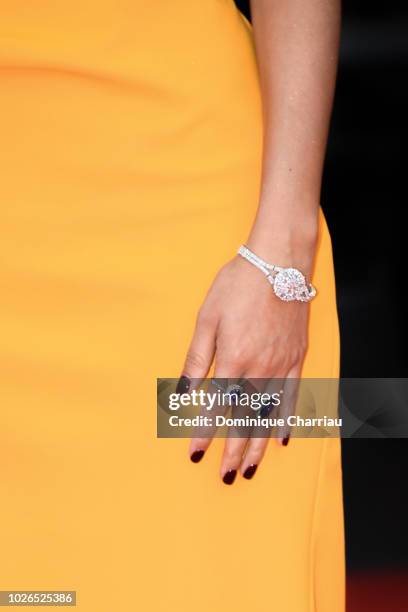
(281, 360)
(233, 357)
(232, 456)
(194, 360)
(298, 355)
(256, 454)
(264, 367)
(292, 359)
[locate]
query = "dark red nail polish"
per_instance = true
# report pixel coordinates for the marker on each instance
(285, 441)
(250, 471)
(197, 456)
(229, 477)
(183, 384)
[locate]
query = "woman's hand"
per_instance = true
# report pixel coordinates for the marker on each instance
(252, 334)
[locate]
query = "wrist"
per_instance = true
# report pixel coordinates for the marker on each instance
(286, 245)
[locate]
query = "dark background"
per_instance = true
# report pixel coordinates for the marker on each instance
(364, 199)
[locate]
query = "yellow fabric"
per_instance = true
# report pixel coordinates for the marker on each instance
(131, 141)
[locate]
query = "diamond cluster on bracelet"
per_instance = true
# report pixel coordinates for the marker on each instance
(289, 284)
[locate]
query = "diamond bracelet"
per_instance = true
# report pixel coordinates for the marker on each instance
(289, 284)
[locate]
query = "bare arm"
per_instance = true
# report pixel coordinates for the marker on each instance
(251, 332)
(297, 50)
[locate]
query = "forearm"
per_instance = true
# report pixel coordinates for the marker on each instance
(297, 49)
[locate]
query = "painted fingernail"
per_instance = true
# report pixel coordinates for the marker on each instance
(197, 456)
(183, 384)
(229, 477)
(285, 441)
(250, 471)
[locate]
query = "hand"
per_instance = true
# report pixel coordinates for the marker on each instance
(252, 334)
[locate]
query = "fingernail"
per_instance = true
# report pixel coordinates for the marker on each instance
(183, 384)
(250, 471)
(285, 441)
(229, 477)
(197, 456)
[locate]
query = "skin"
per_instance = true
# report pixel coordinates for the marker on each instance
(252, 333)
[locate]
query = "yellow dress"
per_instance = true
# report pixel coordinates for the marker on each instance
(131, 140)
